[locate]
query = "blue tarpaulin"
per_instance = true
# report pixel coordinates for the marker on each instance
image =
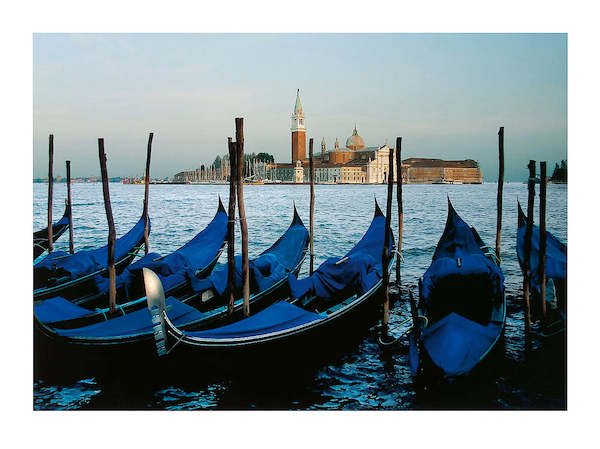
(459, 253)
(266, 269)
(358, 271)
(58, 309)
(556, 253)
(456, 344)
(133, 323)
(280, 316)
(180, 265)
(85, 262)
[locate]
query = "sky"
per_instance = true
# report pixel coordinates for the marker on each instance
(445, 94)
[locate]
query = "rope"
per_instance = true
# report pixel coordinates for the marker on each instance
(491, 253)
(399, 254)
(175, 344)
(397, 339)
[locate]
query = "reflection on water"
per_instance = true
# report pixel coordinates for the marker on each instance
(351, 373)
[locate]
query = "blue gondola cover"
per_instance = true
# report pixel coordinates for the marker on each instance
(133, 323)
(180, 265)
(280, 316)
(267, 268)
(556, 253)
(359, 270)
(456, 344)
(459, 252)
(87, 261)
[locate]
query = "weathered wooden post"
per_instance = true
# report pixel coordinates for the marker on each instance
(542, 263)
(50, 187)
(312, 203)
(400, 208)
(527, 255)
(386, 255)
(231, 226)
(146, 191)
(112, 292)
(500, 188)
(69, 208)
(239, 137)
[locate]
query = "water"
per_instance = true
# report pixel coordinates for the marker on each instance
(356, 375)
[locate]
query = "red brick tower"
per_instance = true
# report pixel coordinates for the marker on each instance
(298, 132)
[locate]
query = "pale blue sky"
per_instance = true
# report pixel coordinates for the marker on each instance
(445, 94)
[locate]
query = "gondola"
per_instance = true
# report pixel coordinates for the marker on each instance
(72, 275)
(337, 290)
(461, 302)
(178, 271)
(40, 238)
(206, 305)
(556, 272)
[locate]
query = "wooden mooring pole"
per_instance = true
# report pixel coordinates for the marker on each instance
(112, 291)
(500, 189)
(386, 255)
(542, 264)
(50, 187)
(312, 204)
(239, 137)
(146, 192)
(69, 208)
(231, 226)
(400, 208)
(527, 255)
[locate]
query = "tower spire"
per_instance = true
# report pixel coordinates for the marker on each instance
(298, 107)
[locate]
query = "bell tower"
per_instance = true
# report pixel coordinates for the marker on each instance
(298, 129)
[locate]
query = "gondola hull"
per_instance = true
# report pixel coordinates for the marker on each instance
(194, 260)
(361, 313)
(131, 349)
(338, 291)
(122, 333)
(462, 301)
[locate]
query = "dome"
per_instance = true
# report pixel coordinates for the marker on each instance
(355, 142)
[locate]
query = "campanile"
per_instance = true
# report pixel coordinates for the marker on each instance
(298, 129)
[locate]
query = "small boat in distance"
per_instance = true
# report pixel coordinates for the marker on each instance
(41, 242)
(461, 297)
(133, 180)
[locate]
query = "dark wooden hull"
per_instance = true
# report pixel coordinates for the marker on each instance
(95, 352)
(99, 313)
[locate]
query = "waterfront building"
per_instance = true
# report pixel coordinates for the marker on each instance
(357, 163)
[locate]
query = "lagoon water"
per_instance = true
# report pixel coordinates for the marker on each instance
(357, 375)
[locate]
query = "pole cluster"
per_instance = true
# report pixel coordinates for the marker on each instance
(236, 189)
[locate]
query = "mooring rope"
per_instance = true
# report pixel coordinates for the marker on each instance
(397, 339)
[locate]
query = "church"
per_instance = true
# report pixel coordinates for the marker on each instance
(355, 163)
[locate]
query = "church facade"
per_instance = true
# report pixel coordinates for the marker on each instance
(355, 163)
